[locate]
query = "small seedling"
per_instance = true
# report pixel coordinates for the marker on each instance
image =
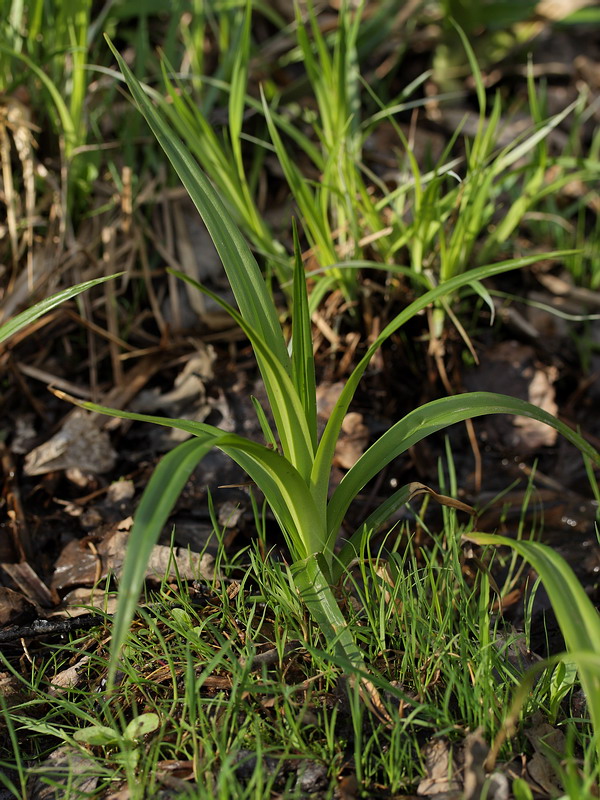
(128, 742)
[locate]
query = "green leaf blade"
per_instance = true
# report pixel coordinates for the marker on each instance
(327, 444)
(424, 421)
(164, 487)
(303, 362)
(286, 406)
(244, 275)
(19, 321)
(578, 620)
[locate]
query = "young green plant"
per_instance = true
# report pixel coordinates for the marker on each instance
(293, 468)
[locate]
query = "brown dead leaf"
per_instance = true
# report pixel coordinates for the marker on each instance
(28, 581)
(68, 678)
(541, 772)
(417, 489)
(544, 738)
(80, 444)
(82, 563)
(78, 602)
(541, 394)
(327, 396)
(555, 10)
(514, 364)
(66, 766)
(438, 765)
(372, 699)
(163, 560)
(188, 386)
(122, 794)
(352, 442)
(476, 783)
(77, 564)
(15, 609)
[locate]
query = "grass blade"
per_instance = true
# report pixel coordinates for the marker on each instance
(164, 487)
(61, 107)
(303, 362)
(351, 547)
(424, 421)
(244, 275)
(15, 324)
(578, 619)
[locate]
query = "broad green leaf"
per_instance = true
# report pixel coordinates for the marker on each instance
(99, 735)
(285, 491)
(165, 486)
(424, 421)
(312, 579)
(286, 406)
(578, 619)
(282, 484)
(30, 314)
(326, 449)
(303, 362)
(244, 275)
(142, 725)
(188, 426)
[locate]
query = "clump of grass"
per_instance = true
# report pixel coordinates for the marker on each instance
(232, 683)
(438, 222)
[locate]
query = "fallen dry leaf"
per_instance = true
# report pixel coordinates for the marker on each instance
(80, 444)
(513, 364)
(438, 765)
(327, 396)
(541, 394)
(83, 563)
(66, 766)
(543, 738)
(559, 9)
(28, 581)
(68, 678)
(15, 609)
(476, 783)
(78, 602)
(352, 442)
